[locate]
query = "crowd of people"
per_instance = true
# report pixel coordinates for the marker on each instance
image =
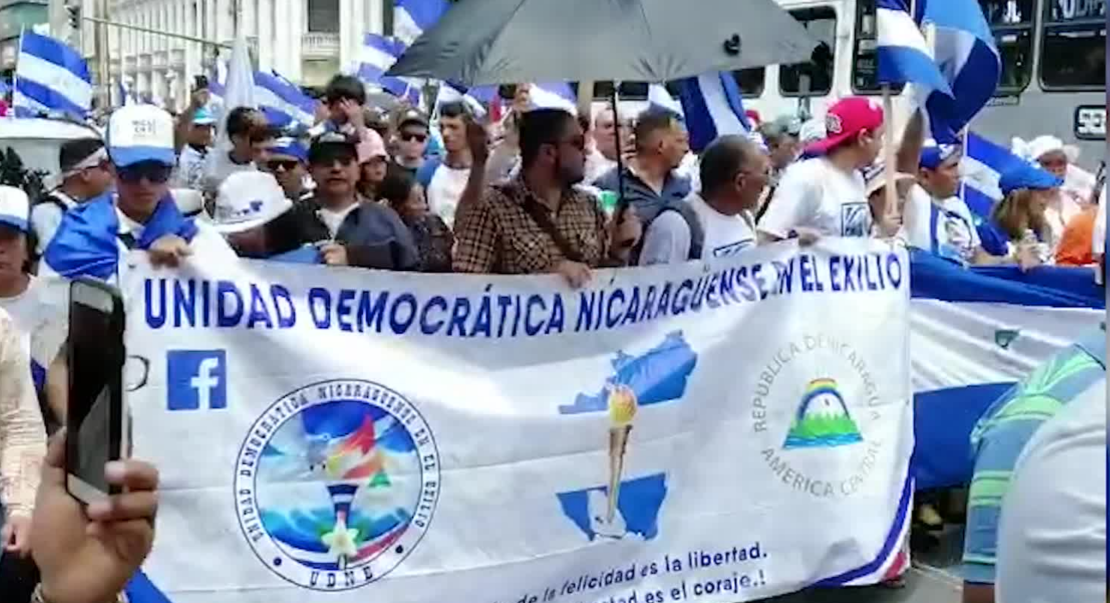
(529, 194)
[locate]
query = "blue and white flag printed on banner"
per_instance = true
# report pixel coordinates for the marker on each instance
(965, 50)
(377, 55)
(713, 107)
(903, 55)
(973, 334)
(412, 17)
(508, 438)
(982, 164)
(50, 78)
(283, 103)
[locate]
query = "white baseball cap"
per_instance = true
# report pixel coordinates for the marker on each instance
(138, 133)
(248, 200)
(15, 208)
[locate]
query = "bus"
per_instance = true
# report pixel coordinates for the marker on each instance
(1053, 77)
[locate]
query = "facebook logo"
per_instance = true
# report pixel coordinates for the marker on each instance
(196, 379)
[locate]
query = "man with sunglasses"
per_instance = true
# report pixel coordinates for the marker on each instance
(286, 160)
(86, 173)
(412, 141)
(348, 229)
(140, 215)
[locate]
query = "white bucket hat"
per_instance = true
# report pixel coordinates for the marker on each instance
(248, 200)
(1034, 149)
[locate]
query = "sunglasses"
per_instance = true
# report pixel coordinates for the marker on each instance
(410, 136)
(287, 165)
(155, 173)
(327, 162)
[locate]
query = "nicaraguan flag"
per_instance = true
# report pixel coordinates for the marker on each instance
(982, 164)
(50, 78)
(903, 55)
(553, 95)
(449, 93)
(660, 98)
(282, 102)
(965, 51)
(377, 55)
(713, 107)
(413, 17)
(975, 332)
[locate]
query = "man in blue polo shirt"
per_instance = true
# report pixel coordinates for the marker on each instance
(999, 439)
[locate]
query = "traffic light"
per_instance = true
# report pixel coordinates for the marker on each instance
(74, 12)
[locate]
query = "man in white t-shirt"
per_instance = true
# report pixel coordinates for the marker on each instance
(936, 219)
(825, 195)
(719, 222)
(444, 180)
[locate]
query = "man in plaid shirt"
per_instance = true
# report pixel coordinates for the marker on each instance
(539, 222)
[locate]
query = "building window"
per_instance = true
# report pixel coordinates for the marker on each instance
(323, 16)
(1073, 47)
(1011, 21)
(815, 76)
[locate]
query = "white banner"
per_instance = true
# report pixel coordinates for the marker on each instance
(344, 435)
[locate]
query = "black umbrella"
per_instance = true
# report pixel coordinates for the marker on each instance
(507, 41)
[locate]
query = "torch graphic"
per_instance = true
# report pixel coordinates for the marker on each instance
(622, 409)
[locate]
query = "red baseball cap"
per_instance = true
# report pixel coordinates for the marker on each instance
(845, 120)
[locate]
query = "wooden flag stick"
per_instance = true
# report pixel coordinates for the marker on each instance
(890, 162)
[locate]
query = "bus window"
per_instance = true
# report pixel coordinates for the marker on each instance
(1011, 21)
(813, 77)
(629, 90)
(1073, 50)
(865, 60)
(750, 81)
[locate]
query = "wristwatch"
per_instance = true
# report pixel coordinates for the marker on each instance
(38, 597)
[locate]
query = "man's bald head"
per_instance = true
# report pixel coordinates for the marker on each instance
(723, 159)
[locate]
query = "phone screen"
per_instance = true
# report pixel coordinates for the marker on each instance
(95, 358)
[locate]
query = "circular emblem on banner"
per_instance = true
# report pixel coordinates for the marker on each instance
(336, 484)
(815, 412)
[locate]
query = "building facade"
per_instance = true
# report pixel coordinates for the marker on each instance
(306, 41)
(15, 16)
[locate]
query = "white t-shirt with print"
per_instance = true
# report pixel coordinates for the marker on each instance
(445, 190)
(815, 194)
(944, 227)
(667, 240)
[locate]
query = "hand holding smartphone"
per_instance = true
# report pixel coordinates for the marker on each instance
(96, 423)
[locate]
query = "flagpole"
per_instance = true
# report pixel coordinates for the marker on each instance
(15, 76)
(889, 155)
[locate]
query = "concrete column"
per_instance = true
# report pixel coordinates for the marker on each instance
(266, 41)
(294, 32)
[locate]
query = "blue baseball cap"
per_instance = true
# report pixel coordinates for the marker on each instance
(289, 147)
(1025, 176)
(933, 154)
(15, 209)
(138, 133)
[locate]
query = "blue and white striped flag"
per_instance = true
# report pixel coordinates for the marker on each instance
(412, 17)
(283, 103)
(660, 98)
(553, 95)
(713, 107)
(378, 54)
(903, 55)
(965, 50)
(50, 78)
(973, 334)
(982, 164)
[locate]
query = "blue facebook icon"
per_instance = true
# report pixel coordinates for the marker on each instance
(196, 379)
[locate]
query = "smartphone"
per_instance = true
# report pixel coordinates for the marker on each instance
(200, 82)
(95, 420)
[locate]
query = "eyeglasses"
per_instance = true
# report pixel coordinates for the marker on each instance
(155, 173)
(410, 136)
(287, 165)
(327, 162)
